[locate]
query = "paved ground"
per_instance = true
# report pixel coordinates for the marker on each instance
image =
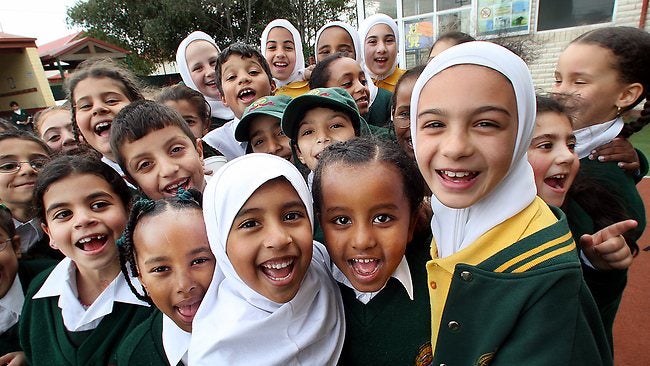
(632, 326)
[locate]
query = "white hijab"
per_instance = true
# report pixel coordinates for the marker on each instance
(235, 325)
(455, 229)
(589, 138)
(365, 27)
(358, 52)
(218, 109)
(299, 66)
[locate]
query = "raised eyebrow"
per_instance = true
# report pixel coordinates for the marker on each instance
(434, 111)
(91, 197)
(545, 136)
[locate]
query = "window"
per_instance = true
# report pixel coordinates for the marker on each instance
(416, 7)
(451, 4)
(555, 14)
(455, 21)
(388, 7)
(418, 38)
(497, 17)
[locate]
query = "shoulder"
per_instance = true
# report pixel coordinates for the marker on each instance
(143, 343)
(28, 270)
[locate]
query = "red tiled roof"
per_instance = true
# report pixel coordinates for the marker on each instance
(13, 41)
(63, 45)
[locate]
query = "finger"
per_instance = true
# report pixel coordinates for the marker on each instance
(586, 241)
(614, 230)
(629, 166)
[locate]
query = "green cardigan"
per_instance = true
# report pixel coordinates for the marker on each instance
(379, 113)
(46, 341)
(391, 329)
(144, 345)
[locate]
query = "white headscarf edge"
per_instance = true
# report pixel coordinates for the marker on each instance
(364, 28)
(299, 66)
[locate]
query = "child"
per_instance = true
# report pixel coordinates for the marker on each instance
(340, 37)
(602, 74)
(270, 301)
(242, 76)
(157, 150)
(78, 313)
(165, 245)
(502, 260)
(22, 119)
(15, 277)
(447, 40)
(193, 107)
(22, 157)
(97, 91)
(196, 58)
(260, 127)
(54, 126)
(369, 223)
(380, 37)
(603, 249)
(401, 109)
(282, 47)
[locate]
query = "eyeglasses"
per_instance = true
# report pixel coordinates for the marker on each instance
(402, 120)
(4, 244)
(14, 165)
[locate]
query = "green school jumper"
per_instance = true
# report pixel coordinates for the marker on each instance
(379, 113)
(46, 341)
(144, 345)
(391, 329)
(516, 296)
(27, 270)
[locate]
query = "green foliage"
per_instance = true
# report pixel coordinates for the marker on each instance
(153, 29)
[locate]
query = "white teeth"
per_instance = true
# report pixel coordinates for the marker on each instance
(455, 174)
(246, 91)
(102, 125)
(173, 187)
(558, 176)
(88, 239)
(364, 260)
(281, 64)
(278, 265)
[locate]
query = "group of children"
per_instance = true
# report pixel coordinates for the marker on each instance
(455, 208)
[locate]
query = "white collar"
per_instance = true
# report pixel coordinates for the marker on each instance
(118, 169)
(402, 274)
(223, 139)
(62, 283)
(14, 298)
(176, 341)
(589, 138)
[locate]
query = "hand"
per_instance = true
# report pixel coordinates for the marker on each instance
(14, 359)
(607, 249)
(620, 150)
(307, 73)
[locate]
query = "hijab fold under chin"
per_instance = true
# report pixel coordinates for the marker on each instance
(455, 229)
(299, 65)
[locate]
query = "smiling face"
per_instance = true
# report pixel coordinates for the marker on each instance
(198, 125)
(163, 161)
(174, 262)
(366, 221)
(85, 222)
(243, 81)
(590, 86)
(319, 128)
(55, 129)
(16, 188)
(466, 131)
(552, 156)
(380, 49)
(402, 116)
(270, 241)
(280, 53)
(347, 74)
(266, 136)
(8, 262)
(332, 40)
(201, 57)
(96, 102)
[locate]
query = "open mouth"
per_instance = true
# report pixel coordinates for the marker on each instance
(280, 65)
(556, 181)
(102, 128)
(278, 270)
(211, 83)
(364, 267)
(187, 309)
(381, 60)
(246, 95)
(92, 243)
(457, 176)
(172, 188)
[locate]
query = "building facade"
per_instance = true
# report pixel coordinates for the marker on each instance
(545, 25)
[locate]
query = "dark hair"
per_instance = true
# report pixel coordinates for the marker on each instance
(40, 115)
(196, 99)
(7, 222)
(68, 165)
(143, 207)
(631, 49)
(26, 136)
(412, 73)
(6, 125)
(321, 73)
(455, 36)
(100, 68)
(546, 104)
(13, 103)
(360, 151)
(243, 50)
(140, 118)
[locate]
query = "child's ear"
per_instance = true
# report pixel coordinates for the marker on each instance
(47, 231)
(223, 100)
(629, 95)
(15, 245)
(199, 148)
(273, 87)
(299, 154)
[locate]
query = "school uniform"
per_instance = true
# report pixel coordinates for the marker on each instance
(235, 325)
(156, 341)
(505, 282)
(12, 303)
(293, 89)
(223, 140)
(34, 244)
(56, 329)
(379, 111)
(390, 326)
(388, 80)
(295, 84)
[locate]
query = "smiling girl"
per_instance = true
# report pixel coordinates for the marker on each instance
(282, 48)
(380, 37)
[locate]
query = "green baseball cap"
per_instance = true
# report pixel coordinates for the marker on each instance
(273, 106)
(335, 98)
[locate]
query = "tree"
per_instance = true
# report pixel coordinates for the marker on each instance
(153, 29)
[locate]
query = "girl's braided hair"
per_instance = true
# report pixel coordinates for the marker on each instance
(631, 49)
(190, 199)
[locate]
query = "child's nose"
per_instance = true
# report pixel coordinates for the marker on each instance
(83, 218)
(362, 238)
(167, 168)
(277, 237)
(184, 282)
(456, 145)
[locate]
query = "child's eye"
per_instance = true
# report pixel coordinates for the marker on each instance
(271, 48)
(382, 219)
(54, 138)
(571, 146)
(197, 68)
(390, 40)
(433, 124)
(487, 123)
(83, 107)
(143, 165)
(99, 205)
(545, 146)
(230, 77)
(190, 122)
(160, 269)
(177, 149)
(336, 125)
(288, 48)
(253, 72)
(61, 215)
(346, 84)
(280, 133)
(248, 224)
(371, 42)
(342, 220)
(112, 101)
(258, 142)
(306, 132)
(293, 216)
(201, 260)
